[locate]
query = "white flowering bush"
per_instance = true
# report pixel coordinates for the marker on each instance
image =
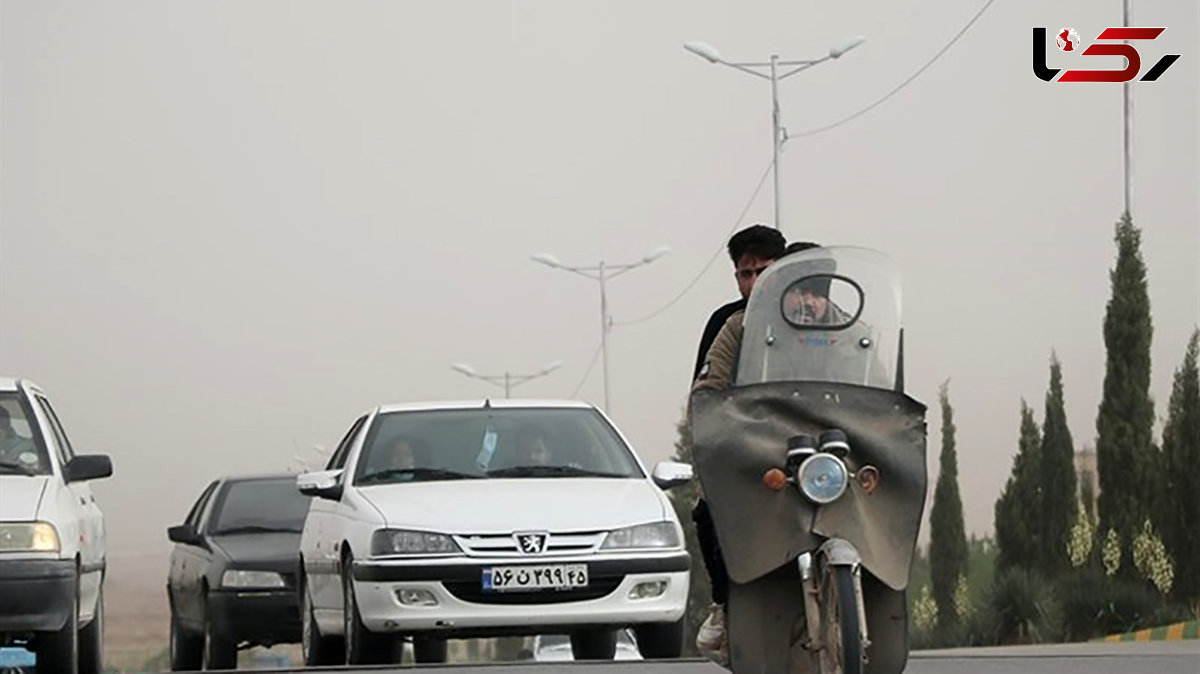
(925, 611)
(1151, 559)
(1111, 553)
(962, 600)
(1081, 540)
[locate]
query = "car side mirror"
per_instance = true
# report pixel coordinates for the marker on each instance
(87, 467)
(326, 484)
(668, 474)
(184, 533)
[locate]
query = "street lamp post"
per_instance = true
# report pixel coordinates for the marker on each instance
(508, 380)
(602, 272)
(778, 133)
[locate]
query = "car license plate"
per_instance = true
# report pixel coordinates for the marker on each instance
(523, 578)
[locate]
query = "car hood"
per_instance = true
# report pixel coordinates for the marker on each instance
(20, 496)
(503, 505)
(259, 547)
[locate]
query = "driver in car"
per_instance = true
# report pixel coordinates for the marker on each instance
(14, 449)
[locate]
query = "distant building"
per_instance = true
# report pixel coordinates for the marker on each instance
(1087, 473)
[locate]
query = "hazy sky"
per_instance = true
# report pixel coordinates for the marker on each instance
(228, 228)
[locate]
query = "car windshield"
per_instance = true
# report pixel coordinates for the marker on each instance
(20, 452)
(422, 446)
(262, 505)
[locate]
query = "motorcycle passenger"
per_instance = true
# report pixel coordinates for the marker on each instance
(715, 372)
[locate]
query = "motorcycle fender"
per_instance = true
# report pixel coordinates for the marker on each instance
(840, 552)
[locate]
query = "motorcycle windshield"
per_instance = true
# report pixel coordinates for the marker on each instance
(824, 314)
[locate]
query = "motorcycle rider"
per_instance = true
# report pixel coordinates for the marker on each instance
(715, 370)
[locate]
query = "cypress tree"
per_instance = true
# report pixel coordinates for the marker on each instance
(1057, 477)
(1181, 457)
(1016, 510)
(1125, 454)
(948, 540)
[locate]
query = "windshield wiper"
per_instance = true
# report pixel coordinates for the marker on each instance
(550, 471)
(418, 474)
(15, 468)
(257, 529)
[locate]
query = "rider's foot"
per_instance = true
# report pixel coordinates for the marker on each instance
(712, 639)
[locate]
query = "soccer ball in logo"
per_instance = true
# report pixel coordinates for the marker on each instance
(1068, 39)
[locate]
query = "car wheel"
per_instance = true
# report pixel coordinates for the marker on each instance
(59, 651)
(429, 650)
(185, 647)
(318, 650)
(91, 640)
(594, 644)
(220, 651)
(657, 641)
(363, 647)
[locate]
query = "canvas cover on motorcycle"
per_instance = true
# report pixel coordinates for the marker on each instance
(806, 366)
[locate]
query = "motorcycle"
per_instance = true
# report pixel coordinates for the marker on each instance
(813, 465)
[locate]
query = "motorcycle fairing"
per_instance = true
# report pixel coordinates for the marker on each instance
(740, 432)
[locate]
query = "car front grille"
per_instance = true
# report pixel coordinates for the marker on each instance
(504, 545)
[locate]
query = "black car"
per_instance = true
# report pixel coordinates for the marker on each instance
(233, 571)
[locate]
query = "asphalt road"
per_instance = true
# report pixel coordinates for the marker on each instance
(1155, 657)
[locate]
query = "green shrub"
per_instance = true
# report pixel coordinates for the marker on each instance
(1022, 609)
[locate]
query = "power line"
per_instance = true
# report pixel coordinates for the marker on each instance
(738, 221)
(903, 84)
(591, 364)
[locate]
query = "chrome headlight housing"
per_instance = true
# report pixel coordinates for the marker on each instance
(822, 478)
(406, 542)
(252, 579)
(652, 535)
(28, 537)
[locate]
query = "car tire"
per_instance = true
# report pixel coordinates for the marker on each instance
(594, 644)
(91, 639)
(319, 651)
(659, 641)
(363, 647)
(429, 650)
(186, 649)
(59, 651)
(220, 651)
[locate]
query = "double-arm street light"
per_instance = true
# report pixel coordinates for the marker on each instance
(508, 379)
(602, 272)
(770, 71)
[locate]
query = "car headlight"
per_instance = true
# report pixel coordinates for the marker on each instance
(822, 478)
(28, 537)
(251, 579)
(652, 535)
(405, 542)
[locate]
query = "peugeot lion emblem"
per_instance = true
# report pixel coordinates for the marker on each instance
(531, 542)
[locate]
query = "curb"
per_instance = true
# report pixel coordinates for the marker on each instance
(1173, 632)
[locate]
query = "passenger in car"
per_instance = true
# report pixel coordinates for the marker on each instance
(398, 455)
(531, 449)
(14, 449)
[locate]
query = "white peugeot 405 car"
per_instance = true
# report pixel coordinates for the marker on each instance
(489, 518)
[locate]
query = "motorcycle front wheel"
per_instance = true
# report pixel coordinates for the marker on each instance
(842, 652)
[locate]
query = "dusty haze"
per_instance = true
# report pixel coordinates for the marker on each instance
(228, 228)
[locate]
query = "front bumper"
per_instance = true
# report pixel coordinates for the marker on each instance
(36, 595)
(261, 617)
(464, 609)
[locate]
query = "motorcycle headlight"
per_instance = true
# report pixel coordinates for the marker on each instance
(251, 579)
(28, 537)
(822, 478)
(405, 542)
(652, 535)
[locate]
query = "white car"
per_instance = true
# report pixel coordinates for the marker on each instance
(51, 537)
(489, 518)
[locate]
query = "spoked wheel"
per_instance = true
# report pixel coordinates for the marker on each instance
(318, 650)
(362, 645)
(842, 638)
